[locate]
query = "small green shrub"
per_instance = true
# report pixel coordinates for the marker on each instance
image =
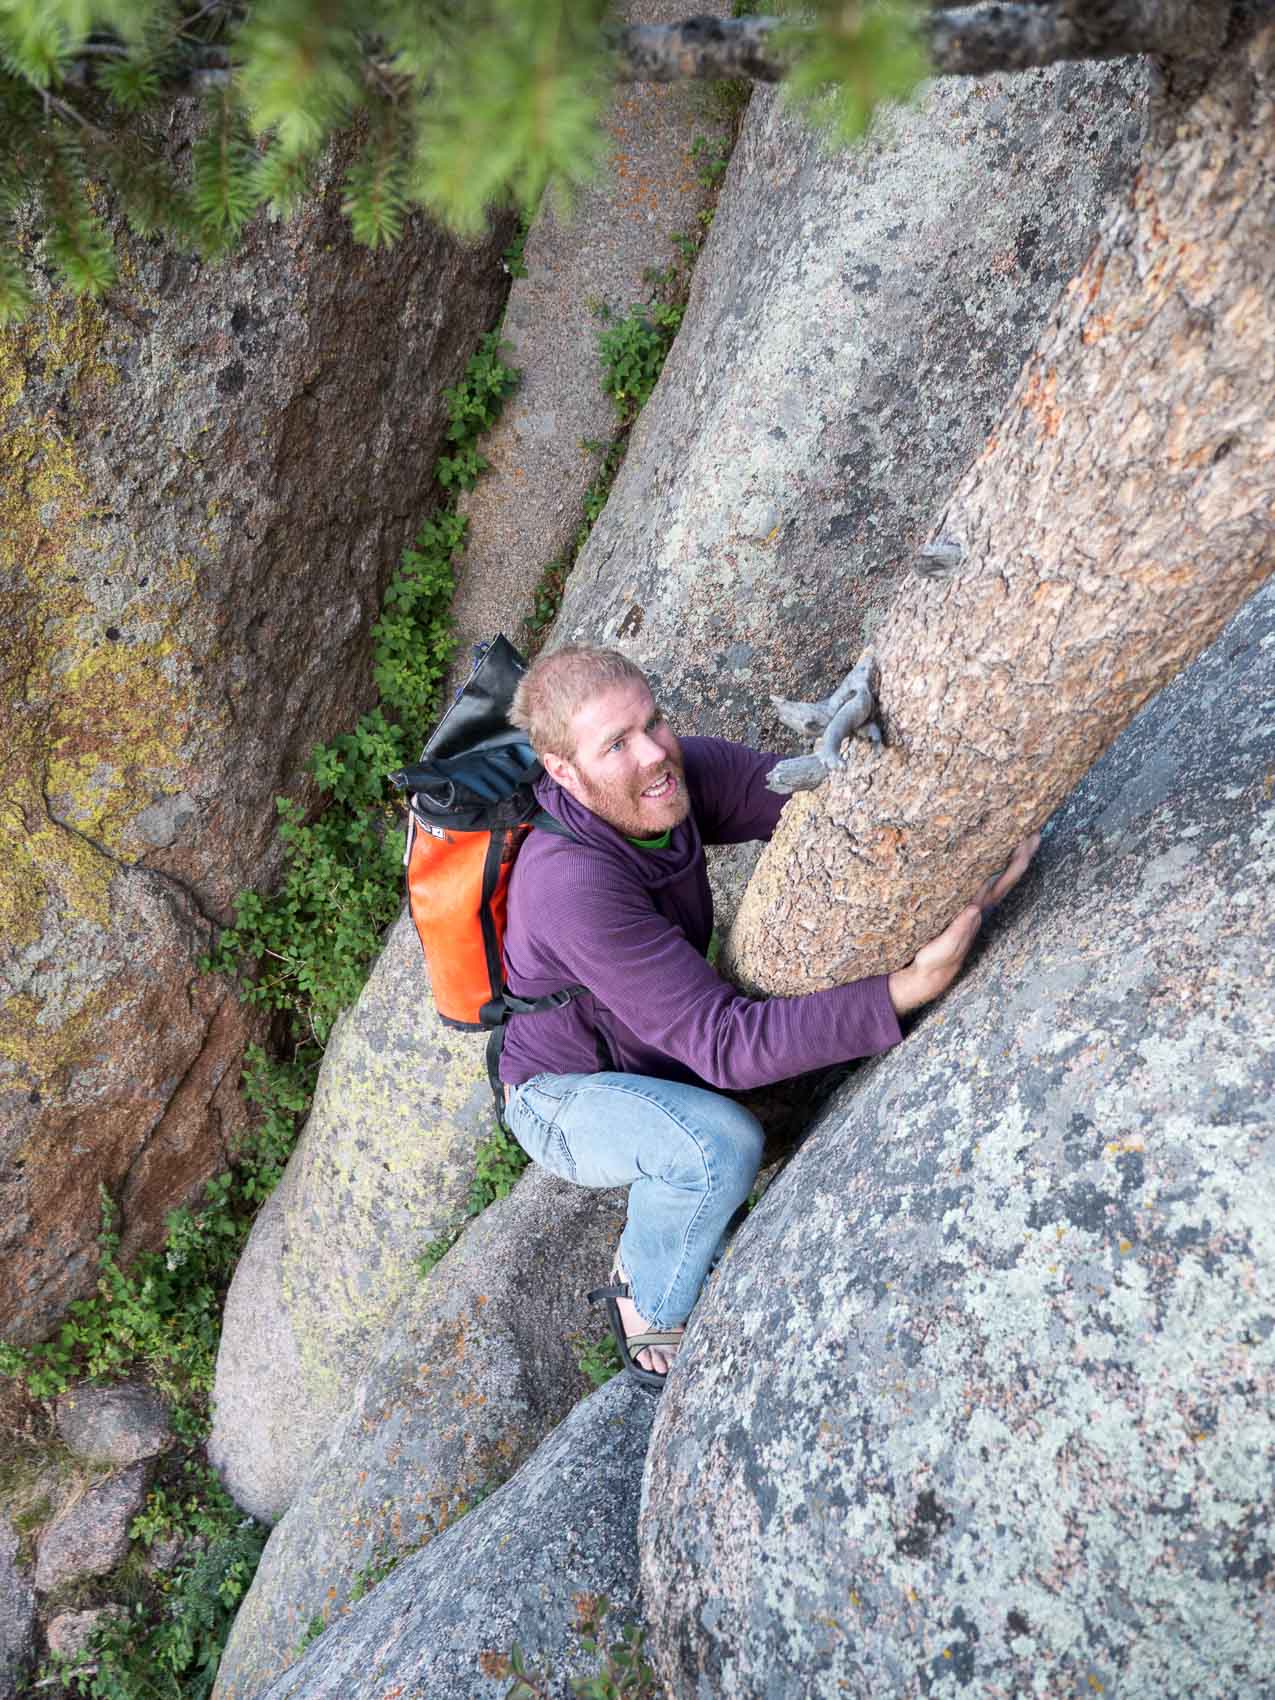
(711, 159)
(512, 258)
(633, 352)
(597, 1360)
(498, 1162)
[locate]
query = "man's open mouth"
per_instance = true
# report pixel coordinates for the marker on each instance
(662, 788)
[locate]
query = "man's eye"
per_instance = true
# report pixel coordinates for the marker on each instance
(618, 744)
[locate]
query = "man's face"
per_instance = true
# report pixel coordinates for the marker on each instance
(627, 765)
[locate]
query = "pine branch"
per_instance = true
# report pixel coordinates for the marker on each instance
(963, 41)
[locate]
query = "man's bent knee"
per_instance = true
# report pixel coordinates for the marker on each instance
(736, 1141)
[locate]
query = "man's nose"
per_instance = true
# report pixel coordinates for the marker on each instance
(649, 752)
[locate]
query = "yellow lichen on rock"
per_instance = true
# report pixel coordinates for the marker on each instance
(92, 723)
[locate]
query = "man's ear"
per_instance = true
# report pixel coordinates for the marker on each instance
(557, 767)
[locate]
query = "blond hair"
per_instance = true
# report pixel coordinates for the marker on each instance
(559, 683)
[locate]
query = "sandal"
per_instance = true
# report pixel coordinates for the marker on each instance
(627, 1344)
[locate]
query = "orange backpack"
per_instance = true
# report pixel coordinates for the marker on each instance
(471, 804)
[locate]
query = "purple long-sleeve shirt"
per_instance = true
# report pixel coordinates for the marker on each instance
(633, 926)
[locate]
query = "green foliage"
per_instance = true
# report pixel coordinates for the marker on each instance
(512, 258)
(225, 187)
(474, 405)
(633, 352)
(498, 1162)
(165, 1634)
(623, 1671)
(711, 159)
(597, 1360)
(316, 1627)
(547, 597)
(372, 1574)
(519, 105)
(847, 59)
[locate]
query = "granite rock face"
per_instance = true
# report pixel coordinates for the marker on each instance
(511, 1571)
(382, 1168)
(527, 509)
(114, 1425)
(473, 1371)
(982, 1400)
(857, 321)
(90, 1536)
(17, 1614)
(207, 482)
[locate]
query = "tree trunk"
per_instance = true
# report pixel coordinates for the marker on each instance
(1117, 516)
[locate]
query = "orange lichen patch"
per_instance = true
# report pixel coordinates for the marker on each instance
(1039, 399)
(1097, 327)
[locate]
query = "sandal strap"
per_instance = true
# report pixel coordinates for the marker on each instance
(665, 1341)
(617, 1291)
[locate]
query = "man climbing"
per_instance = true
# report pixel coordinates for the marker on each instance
(625, 1084)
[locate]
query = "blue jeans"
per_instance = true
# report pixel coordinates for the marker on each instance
(687, 1155)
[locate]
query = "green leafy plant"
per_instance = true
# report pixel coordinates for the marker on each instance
(633, 352)
(597, 1360)
(316, 1627)
(711, 159)
(498, 1162)
(371, 1575)
(512, 258)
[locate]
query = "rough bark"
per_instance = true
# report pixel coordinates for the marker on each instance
(1118, 514)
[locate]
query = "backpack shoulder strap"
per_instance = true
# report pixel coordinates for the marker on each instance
(547, 823)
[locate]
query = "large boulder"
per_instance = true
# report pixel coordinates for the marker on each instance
(525, 512)
(856, 323)
(477, 1366)
(516, 1571)
(208, 479)
(983, 1400)
(383, 1167)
